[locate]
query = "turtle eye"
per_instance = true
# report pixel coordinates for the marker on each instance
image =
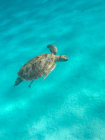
(66, 57)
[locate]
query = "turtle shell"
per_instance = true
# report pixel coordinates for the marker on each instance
(36, 67)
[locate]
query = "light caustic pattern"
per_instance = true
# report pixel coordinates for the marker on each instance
(69, 104)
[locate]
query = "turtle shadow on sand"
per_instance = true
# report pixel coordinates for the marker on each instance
(39, 66)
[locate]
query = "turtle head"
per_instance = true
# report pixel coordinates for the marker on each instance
(61, 58)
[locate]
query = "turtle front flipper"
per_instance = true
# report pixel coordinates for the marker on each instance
(49, 70)
(18, 81)
(52, 48)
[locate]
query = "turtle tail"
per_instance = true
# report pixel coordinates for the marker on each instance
(18, 81)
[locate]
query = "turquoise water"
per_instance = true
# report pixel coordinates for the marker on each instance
(70, 103)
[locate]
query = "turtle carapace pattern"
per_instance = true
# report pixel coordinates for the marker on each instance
(39, 66)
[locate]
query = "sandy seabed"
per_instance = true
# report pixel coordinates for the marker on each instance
(70, 103)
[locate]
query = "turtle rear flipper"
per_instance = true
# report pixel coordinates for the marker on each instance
(29, 86)
(18, 81)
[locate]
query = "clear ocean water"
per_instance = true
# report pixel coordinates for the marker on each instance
(70, 103)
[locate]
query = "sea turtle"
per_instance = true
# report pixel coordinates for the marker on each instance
(40, 65)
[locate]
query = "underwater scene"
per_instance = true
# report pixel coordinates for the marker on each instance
(67, 99)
